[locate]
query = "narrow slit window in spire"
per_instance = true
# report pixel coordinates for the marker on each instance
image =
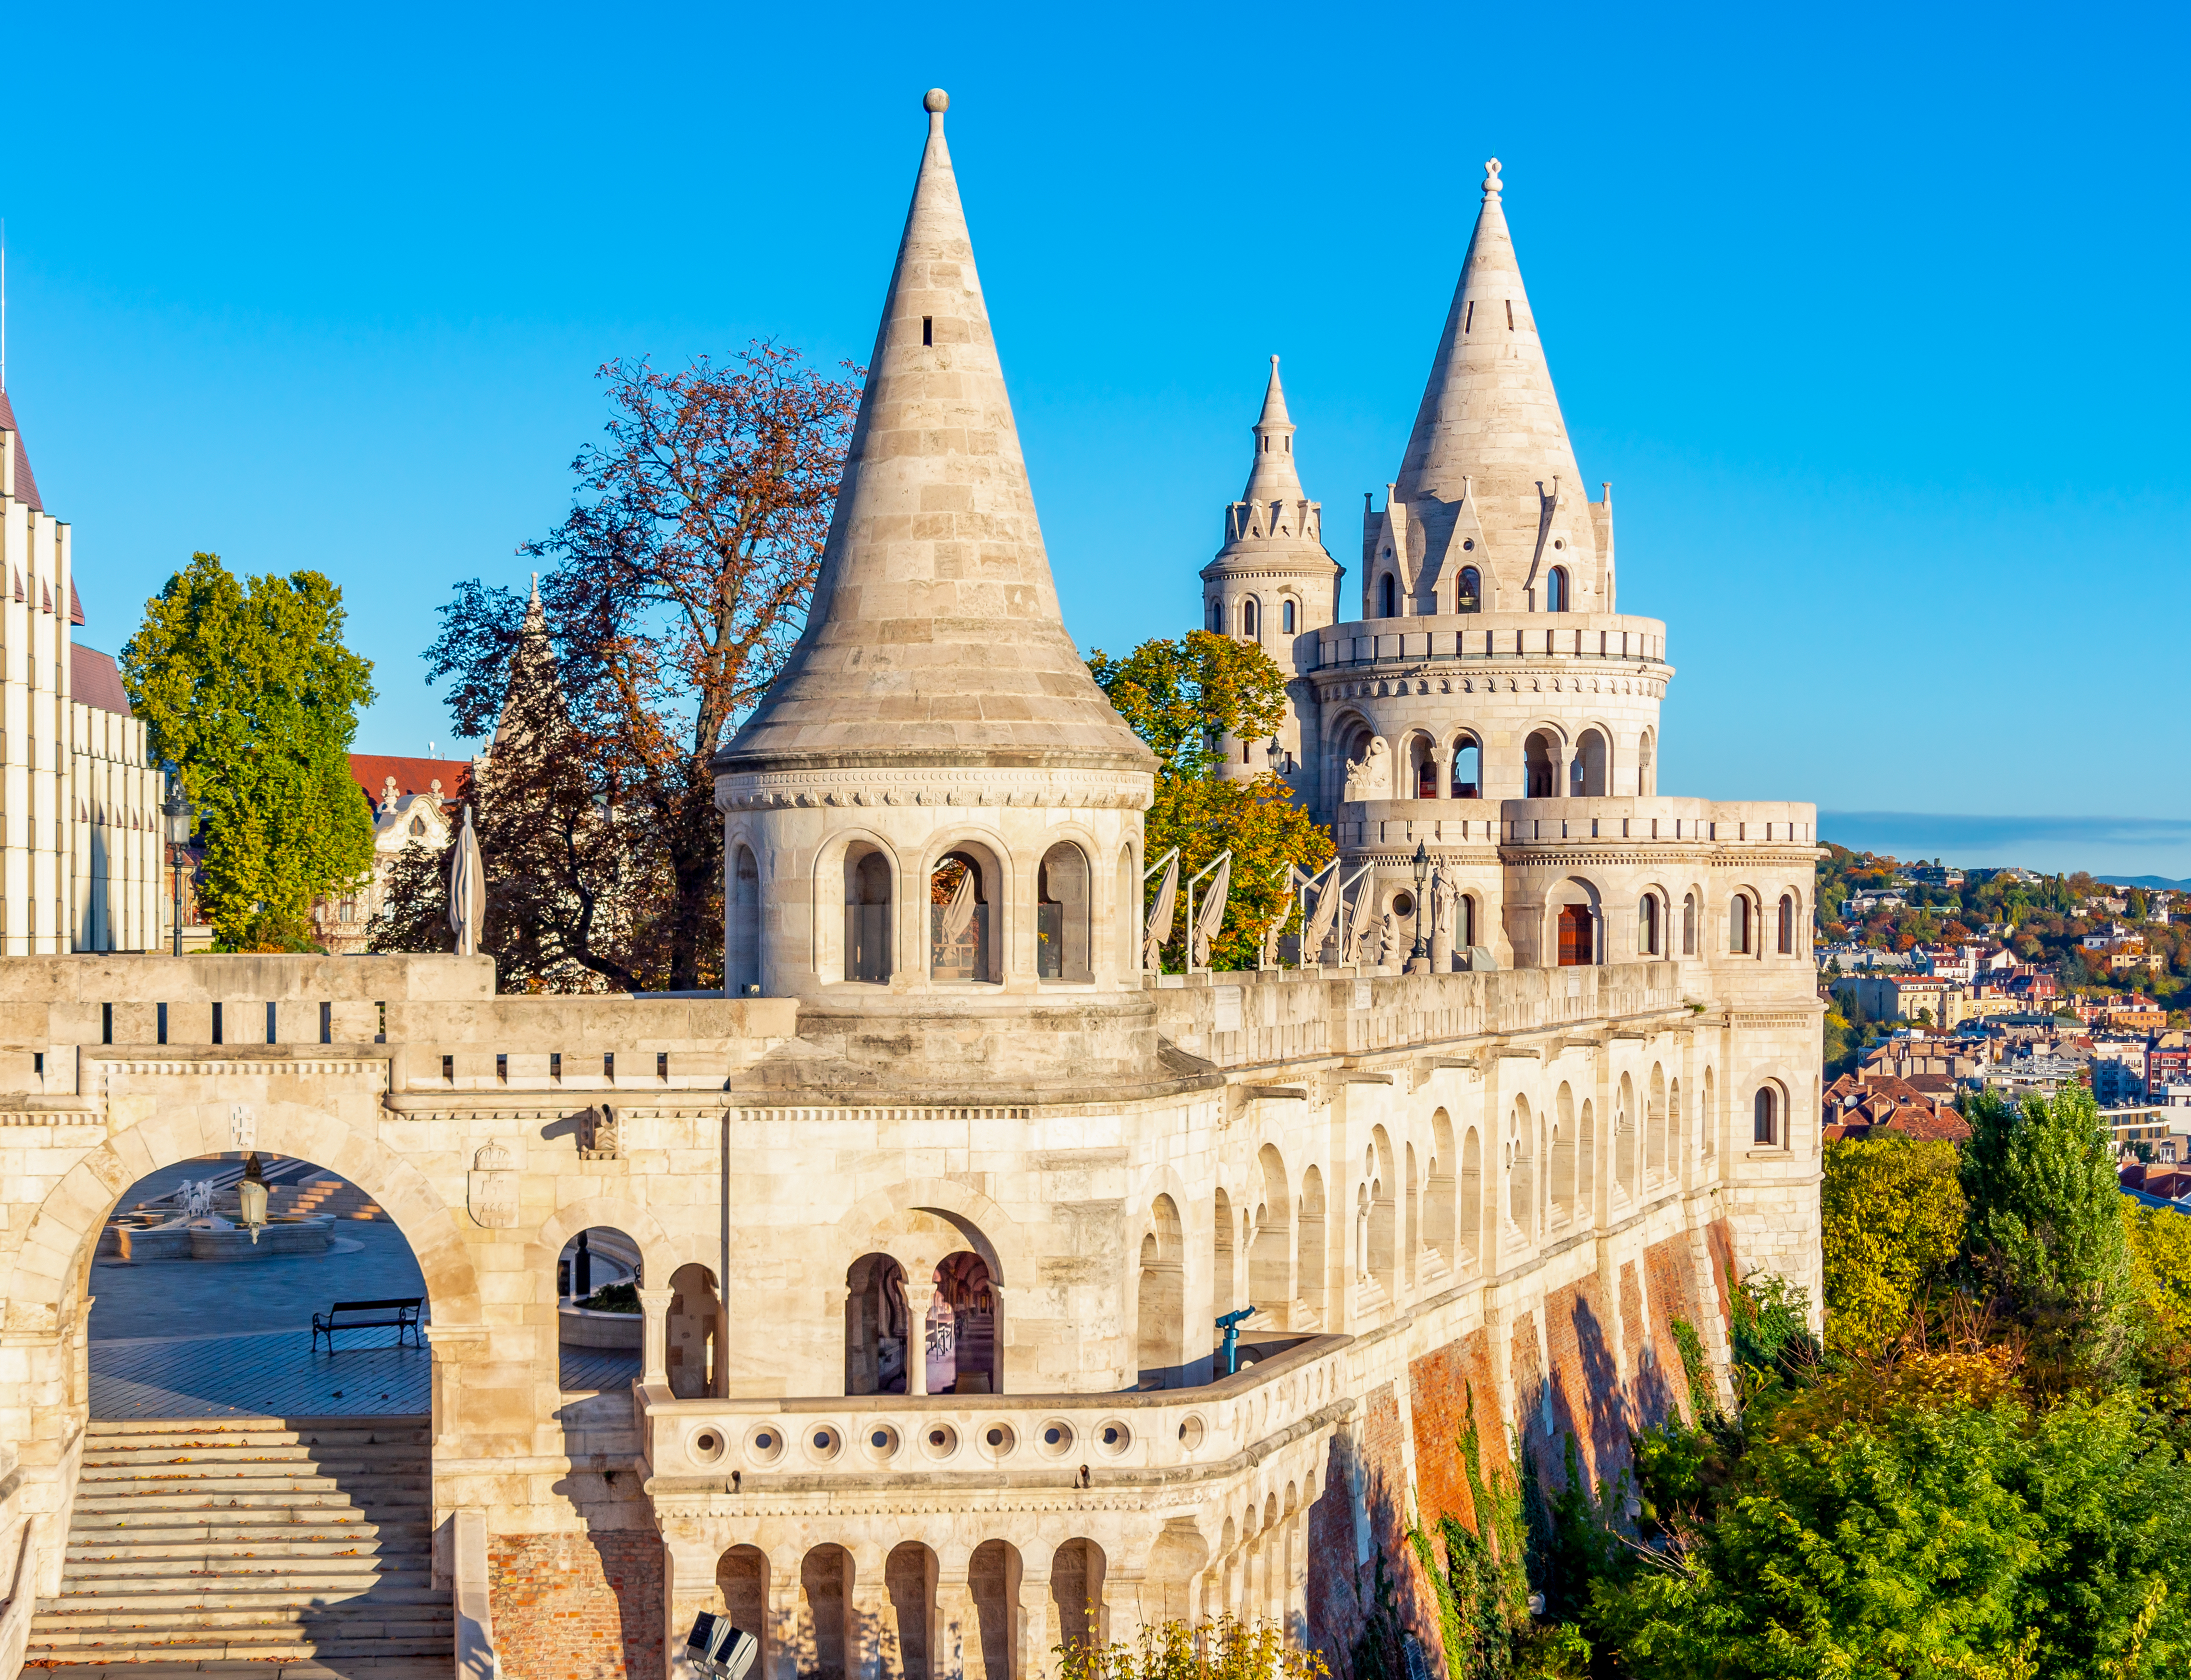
(927, 330)
(1510, 315)
(1469, 320)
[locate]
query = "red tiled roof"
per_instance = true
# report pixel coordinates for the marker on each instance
(27, 487)
(76, 604)
(371, 772)
(94, 679)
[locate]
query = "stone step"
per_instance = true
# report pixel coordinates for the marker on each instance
(223, 1470)
(179, 1450)
(261, 1479)
(201, 1516)
(414, 1427)
(323, 1660)
(250, 1599)
(267, 1539)
(300, 1570)
(185, 1663)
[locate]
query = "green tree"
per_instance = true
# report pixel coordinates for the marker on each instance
(1183, 697)
(248, 687)
(1890, 1217)
(2045, 1232)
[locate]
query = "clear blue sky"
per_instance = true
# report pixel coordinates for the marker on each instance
(1874, 317)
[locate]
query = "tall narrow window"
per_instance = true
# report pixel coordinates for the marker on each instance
(1510, 315)
(327, 1023)
(106, 1023)
(273, 1036)
(1250, 625)
(1738, 926)
(1690, 924)
(1470, 596)
(1468, 321)
(1787, 924)
(1646, 927)
(927, 329)
(164, 1023)
(1061, 915)
(866, 916)
(1388, 597)
(1286, 617)
(1556, 590)
(1766, 1127)
(217, 1023)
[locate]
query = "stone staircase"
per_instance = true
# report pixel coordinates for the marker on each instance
(260, 1539)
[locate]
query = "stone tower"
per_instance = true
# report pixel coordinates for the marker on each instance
(1273, 582)
(934, 815)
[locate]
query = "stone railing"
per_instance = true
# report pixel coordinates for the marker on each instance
(1691, 822)
(1491, 637)
(1084, 1440)
(1255, 1017)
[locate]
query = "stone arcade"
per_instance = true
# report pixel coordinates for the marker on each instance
(942, 1081)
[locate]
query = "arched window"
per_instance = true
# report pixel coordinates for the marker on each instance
(1216, 617)
(743, 936)
(417, 825)
(1578, 946)
(1765, 1129)
(1688, 924)
(1591, 774)
(1646, 927)
(1787, 924)
(1646, 770)
(1388, 597)
(1250, 622)
(1286, 617)
(866, 914)
(1470, 598)
(1539, 762)
(961, 912)
(1467, 768)
(1556, 590)
(1738, 925)
(1061, 915)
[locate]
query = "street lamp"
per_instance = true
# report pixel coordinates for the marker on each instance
(1421, 954)
(182, 822)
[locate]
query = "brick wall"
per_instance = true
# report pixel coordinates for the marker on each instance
(1590, 1399)
(1442, 1386)
(578, 1606)
(1672, 1281)
(1719, 1243)
(1341, 1591)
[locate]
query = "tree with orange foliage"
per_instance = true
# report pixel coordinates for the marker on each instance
(669, 597)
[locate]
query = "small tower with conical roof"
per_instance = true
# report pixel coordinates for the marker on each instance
(1272, 583)
(1489, 512)
(934, 813)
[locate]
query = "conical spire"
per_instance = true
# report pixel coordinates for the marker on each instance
(1490, 413)
(935, 636)
(1273, 477)
(26, 489)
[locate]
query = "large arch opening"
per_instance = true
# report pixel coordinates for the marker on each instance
(600, 1326)
(1076, 1590)
(1315, 1264)
(694, 1336)
(909, 1575)
(1521, 1176)
(876, 1317)
(1380, 1242)
(1438, 1209)
(1471, 1198)
(1466, 777)
(1563, 1156)
(1223, 1272)
(962, 1327)
(992, 1577)
(826, 1639)
(1422, 767)
(1160, 1317)
(1269, 1256)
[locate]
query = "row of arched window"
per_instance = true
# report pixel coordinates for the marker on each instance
(1662, 930)
(1250, 623)
(1468, 593)
(1549, 770)
(965, 896)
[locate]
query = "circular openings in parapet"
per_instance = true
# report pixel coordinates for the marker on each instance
(823, 1443)
(1559, 541)
(706, 1446)
(1055, 1439)
(882, 1443)
(939, 1440)
(1468, 542)
(998, 1441)
(1404, 905)
(765, 1444)
(1113, 1439)
(1191, 1432)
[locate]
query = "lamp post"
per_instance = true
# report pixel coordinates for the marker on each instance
(181, 821)
(1421, 954)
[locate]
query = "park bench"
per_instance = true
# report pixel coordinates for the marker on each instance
(404, 1316)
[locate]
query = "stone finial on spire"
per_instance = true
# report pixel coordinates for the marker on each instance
(1491, 181)
(936, 102)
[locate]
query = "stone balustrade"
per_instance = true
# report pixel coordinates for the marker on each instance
(1491, 638)
(808, 1446)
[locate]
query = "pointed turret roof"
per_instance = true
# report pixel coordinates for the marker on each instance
(1490, 413)
(27, 487)
(934, 636)
(1274, 477)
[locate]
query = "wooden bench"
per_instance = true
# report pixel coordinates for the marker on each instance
(341, 1316)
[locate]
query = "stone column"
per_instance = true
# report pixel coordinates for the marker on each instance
(779, 1657)
(871, 1627)
(654, 1325)
(997, 1331)
(956, 1654)
(918, 1298)
(1036, 1639)
(688, 1587)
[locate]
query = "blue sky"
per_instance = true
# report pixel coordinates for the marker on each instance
(1867, 315)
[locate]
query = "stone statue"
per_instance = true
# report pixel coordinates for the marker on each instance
(1370, 776)
(197, 1197)
(1395, 950)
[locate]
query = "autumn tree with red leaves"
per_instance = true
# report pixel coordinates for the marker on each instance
(669, 598)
